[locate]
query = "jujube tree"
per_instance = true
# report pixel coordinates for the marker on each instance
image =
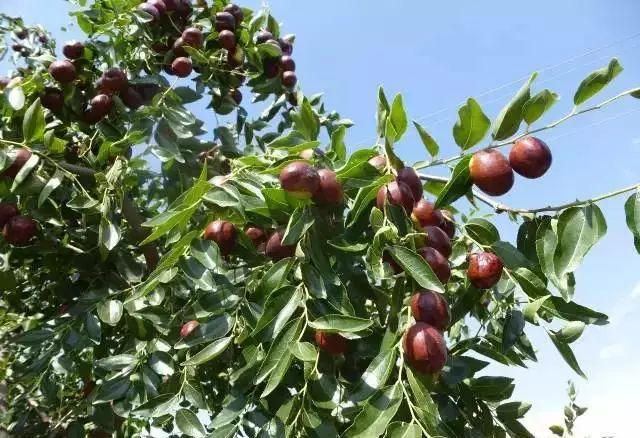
(254, 279)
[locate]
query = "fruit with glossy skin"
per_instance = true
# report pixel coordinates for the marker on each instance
(22, 155)
(530, 157)
(409, 176)
(101, 104)
(379, 162)
(131, 98)
(332, 343)
(188, 328)
(271, 68)
(62, 71)
(275, 250)
(73, 49)
(223, 233)
(396, 193)
(52, 99)
(286, 44)
(19, 230)
(182, 67)
(263, 36)
(425, 348)
(160, 5)
(178, 48)
(171, 5)
(300, 179)
(438, 239)
(485, 269)
(289, 79)
(151, 10)
(425, 214)
(438, 263)
(193, 37)
(7, 211)
(225, 21)
(236, 11)
(256, 235)
(431, 307)
(490, 172)
(330, 190)
(227, 40)
(287, 63)
(113, 81)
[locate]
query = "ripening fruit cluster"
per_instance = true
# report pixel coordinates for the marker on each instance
(17, 229)
(283, 66)
(492, 172)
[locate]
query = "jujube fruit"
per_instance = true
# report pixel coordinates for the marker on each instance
(62, 71)
(438, 239)
(332, 343)
(409, 176)
(227, 39)
(151, 10)
(530, 157)
(178, 48)
(271, 68)
(188, 328)
(22, 155)
(286, 44)
(425, 348)
(491, 172)
(289, 79)
(300, 179)
(113, 81)
(236, 95)
(222, 233)
(485, 269)
(396, 193)
(425, 213)
(263, 36)
(19, 230)
(193, 37)
(438, 263)
(7, 211)
(236, 11)
(160, 5)
(256, 235)
(52, 99)
(225, 21)
(275, 250)
(432, 308)
(171, 5)
(182, 67)
(73, 49)
(448, 224)
(131, 98)
(287, 63)
(330, 190)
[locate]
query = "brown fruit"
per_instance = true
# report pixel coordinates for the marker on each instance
(62, 71)
(300, 179)
(151, 10)
(160, 5)
(131, 98)
(271, 68)
(22, 155)
(19, 230)
(263, 36)
(4, 81)
(431, 307)
(171, 5)
(275, 250)
(286, 45)
(425, 348)
(223, 233)
(256, 235)
(379, 162)
(485, 269)
(113, 81)
(182, 67)
(188, 328)
(100, 105)
(409, 176)
(178, 48)
(7, 211)
(530, 157)
(52, 99)
(287, 63)
(193, 37)
(332, 343)
(330, 191)
(225, 21)
(236, 11)
(396, 193)
(438, 263)
(448, 224)
(289, 79)
(227, 40)
(426, 215)
(438, 239)
(22, 33)
(491, 172)
(73, 49)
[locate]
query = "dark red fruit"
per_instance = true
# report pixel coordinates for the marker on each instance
(409, 176)
(183, 8)
(438, 263)
(235, 57)
(188, 328)
(438, 239)
(4, 81)
(17, 47)
(19, 230)
(22, 155)
(113, 81)
(263, 36)
(171, 5)
(332, 343)
(271, 68)
(131, 98)
(431, 307)
(485, 269)
(396, 193)
(426, 215)
(530, 157)
(425, 348)
(289, 79)
(223, 233)
(73, 49)
(178, 48)
(287, 63)
(236, 11)
(7, 211)
(52, 99)
(225, 21)
(448, 224)
(330, 190)
(193, 37)
(62, 71)
(275, 250)
(160, 5)
(182, 67)
(227, 40)
(491, 172)
(256, 235)
(300, 179)
(379, 162)
(151, 10)
(101, 104)
(285, 45)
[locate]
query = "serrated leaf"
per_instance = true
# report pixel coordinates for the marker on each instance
(472, 125)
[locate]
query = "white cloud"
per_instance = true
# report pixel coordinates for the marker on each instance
(635, 293)
(613, 351)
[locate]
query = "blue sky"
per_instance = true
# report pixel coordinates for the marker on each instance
(439, 53)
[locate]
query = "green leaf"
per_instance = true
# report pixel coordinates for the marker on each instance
(364, 198)
(304, 351)
(51, 185)
(274, 277)
(211, 330)
(416, 267)
(530, 310)
(517, 429)
(189, 424)
(209, 352)
(117, 362)
(382, 112)
(306, 121)
(340, 323)
(397, 119)
(429, 143)
(632, 212)
(112, 390)
(375, 376)
(513, 329)
(571, 311)
(491, 388)
(538, 105)
(472, 125)
(299, 223)
(374, 418)
(508, 121)
(512, 410)
(158, 406)
(25, 171)
(109, 234)
(33, 123)
(403, 430)
(428, 409)
(570, 332)
(279, 300)
(161, 363)
(459, 184)
(279, 349)
(596, 81)
(233, 405)
(566, 353)
(557, 430)
(482, 231)
(110, 311)
(337, 143)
